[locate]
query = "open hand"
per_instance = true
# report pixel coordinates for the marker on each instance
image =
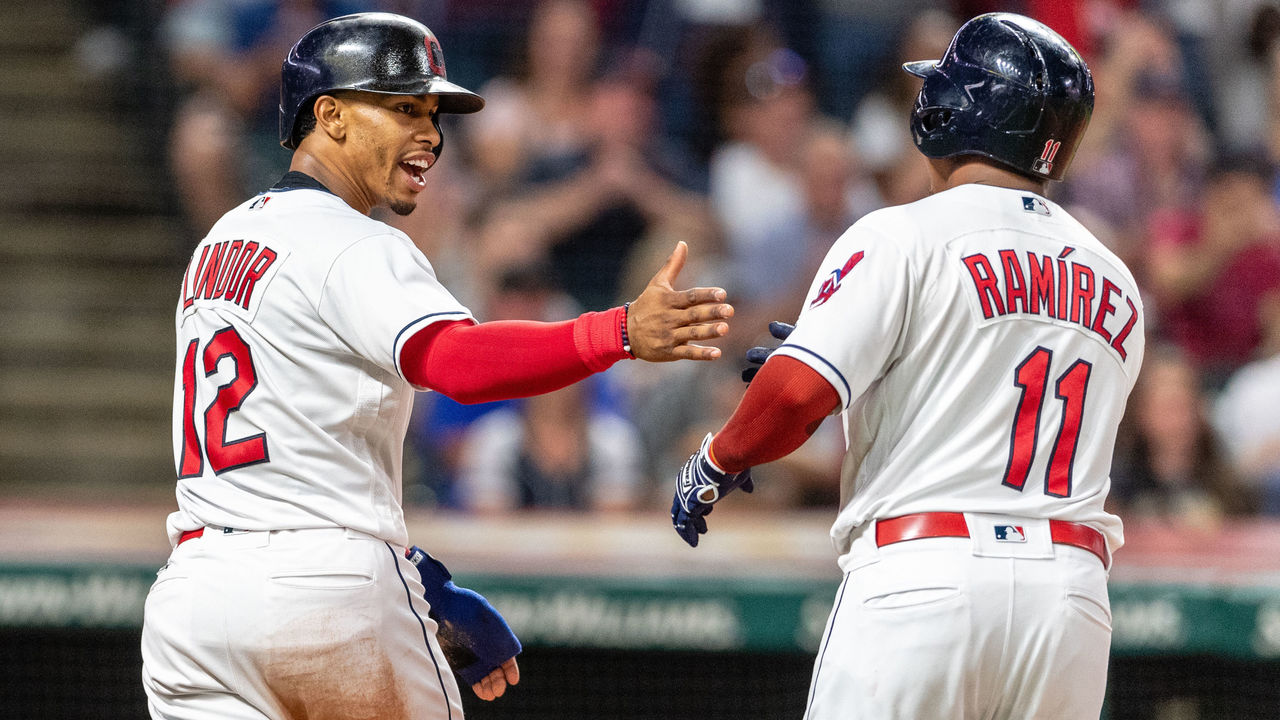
(663, 324)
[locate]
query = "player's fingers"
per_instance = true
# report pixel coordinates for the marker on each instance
(497, 682)
(693, 333)
(689, 534)
(694, 352)
(666, 276)
(511, 670)
(694, 297)
(492, 685)
(699, 524)
(702, 312)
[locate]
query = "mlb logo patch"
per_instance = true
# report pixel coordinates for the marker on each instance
(1035, 205)
(1010, 533)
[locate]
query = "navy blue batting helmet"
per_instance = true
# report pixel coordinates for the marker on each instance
(373, 52)
(1009, 89)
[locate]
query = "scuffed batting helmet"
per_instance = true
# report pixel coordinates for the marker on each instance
(373, 52)
(1008, 88)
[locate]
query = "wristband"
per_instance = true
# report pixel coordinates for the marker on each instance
(626, 340)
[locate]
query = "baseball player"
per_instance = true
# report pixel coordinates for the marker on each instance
(303, 329)
(980, 345)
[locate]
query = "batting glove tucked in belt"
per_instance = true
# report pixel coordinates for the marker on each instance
(474, 637)
(698, 487)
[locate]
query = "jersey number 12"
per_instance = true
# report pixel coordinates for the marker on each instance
(1032, 377)
(223, 454)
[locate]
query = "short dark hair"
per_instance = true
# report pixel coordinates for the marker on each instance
(305, 123)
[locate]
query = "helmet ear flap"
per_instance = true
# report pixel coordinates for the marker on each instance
(439, 146)
(935, 119)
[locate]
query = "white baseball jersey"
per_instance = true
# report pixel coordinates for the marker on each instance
(983, 344)
(290, 409)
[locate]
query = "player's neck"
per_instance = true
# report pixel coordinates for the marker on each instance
(331, 176)
(950, 173)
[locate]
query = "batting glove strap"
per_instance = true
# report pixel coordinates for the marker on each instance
(481, 636)
(699, 486)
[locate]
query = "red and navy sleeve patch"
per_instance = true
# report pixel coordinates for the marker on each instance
(832, 283)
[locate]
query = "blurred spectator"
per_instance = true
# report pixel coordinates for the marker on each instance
(1212, 264)
(537, 112)
(526, 290)
(881, 131)
(1247, 414)
(1243, 61)
(764, 110)
(856, 35)
(1169, 465)
(618, 192)
(225, 55)
(1146, 149)
(551, 451)
(775, 273)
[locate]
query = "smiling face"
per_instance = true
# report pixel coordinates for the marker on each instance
(388, 147)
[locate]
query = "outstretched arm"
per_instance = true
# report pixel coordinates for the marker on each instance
(507, 359)
(785, 403)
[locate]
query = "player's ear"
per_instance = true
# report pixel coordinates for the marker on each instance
(331, 116)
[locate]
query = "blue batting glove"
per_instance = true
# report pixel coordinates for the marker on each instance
(475, 638)
(757, 355)
(698, 486)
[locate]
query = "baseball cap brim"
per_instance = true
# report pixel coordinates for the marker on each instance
(921, 68)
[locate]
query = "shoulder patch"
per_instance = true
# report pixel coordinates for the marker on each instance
(832, 283)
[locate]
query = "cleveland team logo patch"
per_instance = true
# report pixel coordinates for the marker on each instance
(1010, 533)
(832, 283)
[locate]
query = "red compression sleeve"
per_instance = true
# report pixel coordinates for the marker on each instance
(784, 405)
(506, 359)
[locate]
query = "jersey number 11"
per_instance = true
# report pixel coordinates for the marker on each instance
(1032, 377)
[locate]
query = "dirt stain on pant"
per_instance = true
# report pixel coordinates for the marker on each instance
(347, 679)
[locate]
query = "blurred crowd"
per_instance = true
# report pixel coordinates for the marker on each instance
(758, 131)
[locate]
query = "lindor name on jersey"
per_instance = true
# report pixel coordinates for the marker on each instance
(1012, 283)
(229, 270)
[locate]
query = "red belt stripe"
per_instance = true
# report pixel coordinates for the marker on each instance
(952, 524)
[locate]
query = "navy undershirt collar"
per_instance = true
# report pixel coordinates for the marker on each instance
(294, 180)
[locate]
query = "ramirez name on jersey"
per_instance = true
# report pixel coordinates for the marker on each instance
(1052, 288)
